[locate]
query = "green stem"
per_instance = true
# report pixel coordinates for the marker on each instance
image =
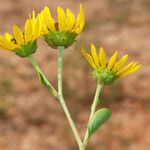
(62, 101)
(42, 77)
(93, 109)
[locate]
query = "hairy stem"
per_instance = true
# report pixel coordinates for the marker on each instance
(93, 109)
(62, 101)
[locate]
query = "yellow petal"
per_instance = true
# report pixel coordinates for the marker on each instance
(102, 57)
(94, 55)
(70, 19)
(134, 64)
(28, 31)
(120, 63)
(79, 22)
(33, 15)
(45, 30)
(125, 68)
(7, 44)
(33, 20)
(88, 58)
(39, 25)
(61, 19)
(8, 36)
(130, 71)
(2, 43)
(48, 19)
(112, 60)
(18, 35)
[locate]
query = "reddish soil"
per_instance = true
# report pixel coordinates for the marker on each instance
(31, 119)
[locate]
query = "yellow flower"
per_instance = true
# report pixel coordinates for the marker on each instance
(64, 31)
(108, 71)
(24, 43)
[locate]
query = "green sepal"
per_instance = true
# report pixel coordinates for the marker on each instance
(59, 38)
(27, 49)
(99, 118)
(104, 76)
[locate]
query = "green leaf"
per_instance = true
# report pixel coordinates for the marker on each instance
(99, 118)
(45, 83)
(42, 79)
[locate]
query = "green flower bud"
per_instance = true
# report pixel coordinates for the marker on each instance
(27, 49)
(59, 38)
(105, 76)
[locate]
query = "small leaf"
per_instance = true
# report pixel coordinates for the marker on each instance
(45, 83)
(99, 118)
(42, 80)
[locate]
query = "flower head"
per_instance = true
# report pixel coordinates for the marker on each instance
(23, 43)
(64, 31)
(108, 71)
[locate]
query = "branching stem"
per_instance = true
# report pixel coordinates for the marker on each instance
(62, 101)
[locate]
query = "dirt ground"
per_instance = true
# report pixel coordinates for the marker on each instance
(31, 119)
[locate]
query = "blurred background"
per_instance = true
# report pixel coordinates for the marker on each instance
(31, 119)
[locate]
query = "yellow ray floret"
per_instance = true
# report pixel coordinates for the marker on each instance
(32, 30)
(66, 20)
(49, 21)
(118, 68)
